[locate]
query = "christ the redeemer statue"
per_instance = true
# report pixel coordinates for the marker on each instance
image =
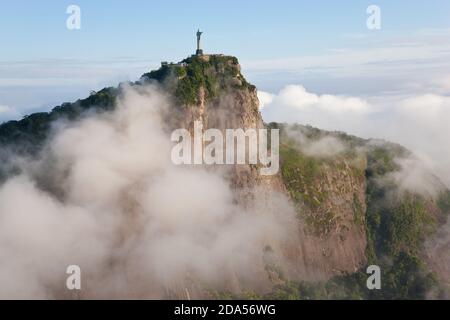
(199, 50)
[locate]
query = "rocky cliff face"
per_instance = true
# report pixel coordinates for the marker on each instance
(331, 236)
(211, 89)
(332, 207)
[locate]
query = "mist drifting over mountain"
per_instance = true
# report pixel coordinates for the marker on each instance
(92, 184)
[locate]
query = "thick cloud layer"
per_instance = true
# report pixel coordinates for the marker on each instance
(105, 196)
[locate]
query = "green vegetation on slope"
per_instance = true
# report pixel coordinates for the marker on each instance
(308, 178)
(26, 136)
(213, 73)
(397, 223)
(300, 174)
(403, 279)
(444, 202)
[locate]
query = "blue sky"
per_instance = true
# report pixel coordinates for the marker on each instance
(324, 45)
(164, 29)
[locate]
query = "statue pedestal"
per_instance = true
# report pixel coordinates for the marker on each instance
(199, 52)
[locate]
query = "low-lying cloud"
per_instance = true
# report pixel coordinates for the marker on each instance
(322, 147)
